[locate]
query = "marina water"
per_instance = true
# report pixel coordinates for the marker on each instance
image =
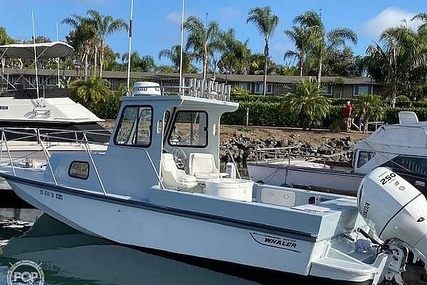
(71, 257)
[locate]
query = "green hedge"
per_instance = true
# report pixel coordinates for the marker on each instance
(270, 114)
(266, 112)
(260, 114)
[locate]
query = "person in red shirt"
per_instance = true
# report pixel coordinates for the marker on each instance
(347, 114)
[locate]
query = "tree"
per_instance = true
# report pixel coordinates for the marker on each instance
(89, 92)
(202, 41)
(299, 36)
(89, 35)
(423, 18)
(5, 39)
(398, 60)
(174, 54)
(341, 63)
(144, 64)
(81, 38)
(266, 23)
(257, 63)
(307, 103)
(104, 25)
(322, 42)
(235, 54)
(369, 106)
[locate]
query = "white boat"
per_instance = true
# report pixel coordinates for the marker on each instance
(400, 147)
(134, 194)
(32, 122)
(30, 106)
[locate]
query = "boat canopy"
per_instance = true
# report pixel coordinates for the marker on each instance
(42, 50)
(409, 133)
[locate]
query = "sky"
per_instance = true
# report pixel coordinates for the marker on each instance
(156, 23)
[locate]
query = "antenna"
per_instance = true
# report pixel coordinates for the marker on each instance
(130, 48)
(35, 54)
(181, 83)
(57, 59)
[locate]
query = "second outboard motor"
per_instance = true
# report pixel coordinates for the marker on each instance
(394, 208)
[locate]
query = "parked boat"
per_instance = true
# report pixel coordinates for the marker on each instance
(31, 105)
(36, 118)
(400, 147)
(133, 193)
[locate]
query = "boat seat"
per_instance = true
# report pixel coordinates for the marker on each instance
(173, 177)
(202, 166)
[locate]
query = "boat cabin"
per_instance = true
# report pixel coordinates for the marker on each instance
(169, 140)
(401, 147)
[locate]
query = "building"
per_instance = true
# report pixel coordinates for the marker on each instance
(336, 87)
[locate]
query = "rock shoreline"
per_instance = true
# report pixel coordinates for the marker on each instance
(243, 148)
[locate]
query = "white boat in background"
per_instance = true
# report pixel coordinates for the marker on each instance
(401, 147)
(35, 122)
(31, 107)
(134, 194)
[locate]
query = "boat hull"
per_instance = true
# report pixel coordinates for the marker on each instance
(112, 263)
(182, 233)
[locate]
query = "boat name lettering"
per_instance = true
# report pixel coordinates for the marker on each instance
(285, 243)
(51, 194)
(274, 241)
(366, 209)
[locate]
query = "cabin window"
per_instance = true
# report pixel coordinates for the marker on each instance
(79, 169)
(364, 157)
(408, 164)
(135, 126)
(189, 129)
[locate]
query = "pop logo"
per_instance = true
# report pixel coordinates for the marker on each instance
(25, 272)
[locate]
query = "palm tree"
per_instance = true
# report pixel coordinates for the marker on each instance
(423, 18)
(369, 106)
(174, 54)
(203, 41)
(307, 103)
(81, 38)
(266, 23)
(89, 92)
(144, 64)
(322, 41)
(397, 59)
(235, 54)
(4, 37)
(104, 25)
(301, 40)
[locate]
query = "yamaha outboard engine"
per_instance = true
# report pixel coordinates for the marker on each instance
(394, 209)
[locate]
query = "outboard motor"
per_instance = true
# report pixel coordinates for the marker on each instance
(394, 209)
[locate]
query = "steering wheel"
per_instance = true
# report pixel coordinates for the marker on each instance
(179, 156)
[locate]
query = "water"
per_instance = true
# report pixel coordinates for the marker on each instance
(70, 257)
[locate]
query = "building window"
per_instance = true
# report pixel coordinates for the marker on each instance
(329, 90)
(259, 87)
(245, 86)
(361, 89)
